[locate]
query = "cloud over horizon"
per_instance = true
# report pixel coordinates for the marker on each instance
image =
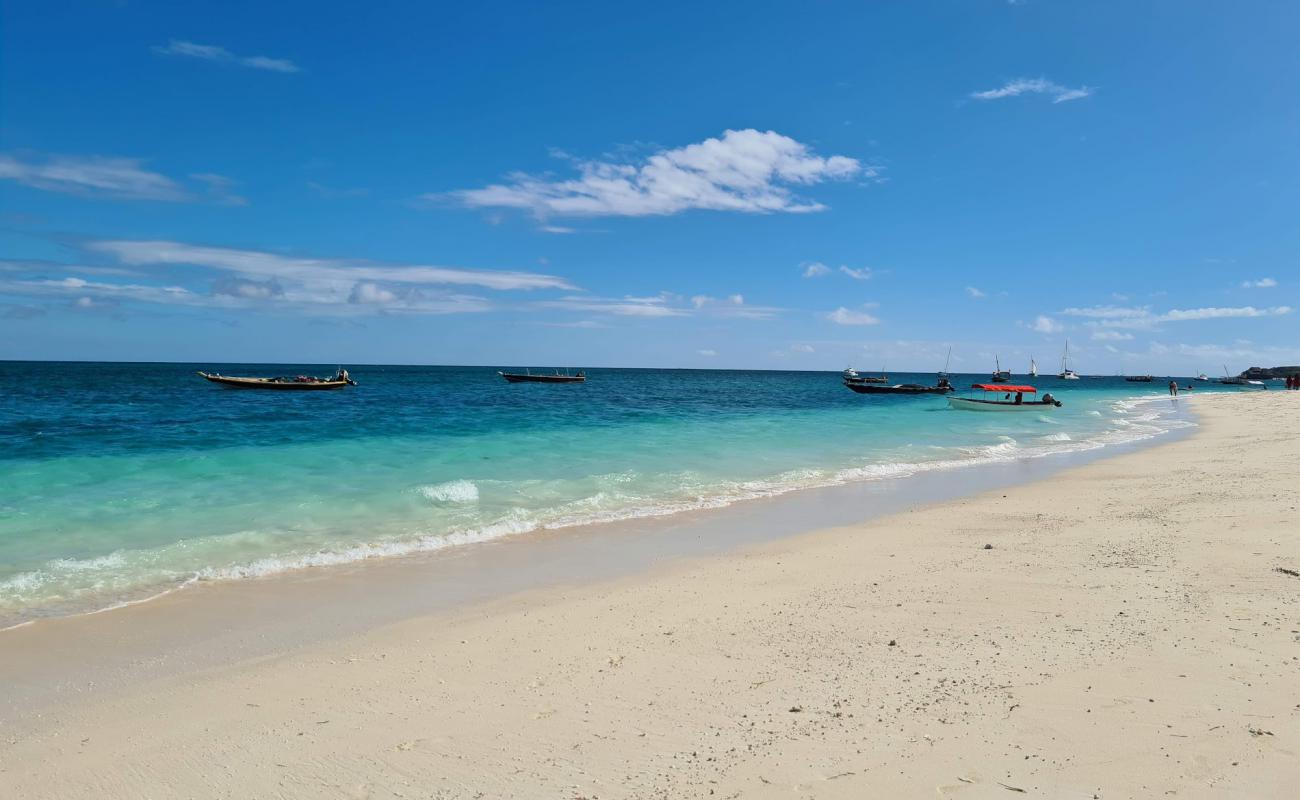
(1020, 86)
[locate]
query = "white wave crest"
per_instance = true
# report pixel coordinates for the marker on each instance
(459, 491)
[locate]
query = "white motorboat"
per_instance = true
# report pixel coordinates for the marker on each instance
(1012, 398)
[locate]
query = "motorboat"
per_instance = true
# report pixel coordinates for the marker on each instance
(283, 383)
(1012, 399)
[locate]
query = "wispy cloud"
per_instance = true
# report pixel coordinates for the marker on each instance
(271, 265)
(815, 269)
(975, 293)
(664, 304)
(209, 52)
(166, 274)
(845, 316)
(1111, 336)
(858, 273)
(1020, 86)
(747, 171)
(1143, 318)
(93, 176)
(115, 178)
(1262, 283)
(707, 353)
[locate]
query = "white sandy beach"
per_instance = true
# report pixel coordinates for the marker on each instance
(1128, 634)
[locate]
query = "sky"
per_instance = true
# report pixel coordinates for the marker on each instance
(735, 185)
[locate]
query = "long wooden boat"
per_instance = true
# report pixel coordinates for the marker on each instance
(297, 383)
(1138, 378)
(900, 388)
(1013, 399)
(528, 377)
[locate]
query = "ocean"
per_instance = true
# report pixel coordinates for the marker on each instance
(122, 481)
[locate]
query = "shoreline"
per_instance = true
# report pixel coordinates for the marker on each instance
(1149, 653)
(214, 623)
(889, 474)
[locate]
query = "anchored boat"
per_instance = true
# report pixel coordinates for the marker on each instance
(1012, 399)
(528, 377)
(943, 387)
(283, 383)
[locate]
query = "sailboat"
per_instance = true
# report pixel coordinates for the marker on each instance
(1000, 375)
(944, 372)
(1066, 373)
(1033, 367)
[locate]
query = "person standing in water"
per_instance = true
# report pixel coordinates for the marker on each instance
(1173, 388)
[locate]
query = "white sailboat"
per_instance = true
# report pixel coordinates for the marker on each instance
(946, 362)
(1033, 367)
(1066, 373)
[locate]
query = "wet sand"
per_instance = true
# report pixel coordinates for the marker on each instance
(1128, 634)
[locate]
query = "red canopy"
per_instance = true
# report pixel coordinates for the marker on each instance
(1003, 387)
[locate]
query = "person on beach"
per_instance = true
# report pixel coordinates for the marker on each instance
(1173, 388)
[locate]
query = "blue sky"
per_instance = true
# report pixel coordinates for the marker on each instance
(766, 185)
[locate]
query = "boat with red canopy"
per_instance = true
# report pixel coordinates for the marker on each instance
(1012, 398)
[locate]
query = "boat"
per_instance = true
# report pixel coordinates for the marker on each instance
(944, 372)
(942, 387)
(1033, 367)
(284, 383)
(1000, 375)
(1202, 377)
(1012, 400)
(1228, 380)
(1138, 378)
(1067, 374)
(527, 376)
(853, 375)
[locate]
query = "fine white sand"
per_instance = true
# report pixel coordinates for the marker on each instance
(1128, 634)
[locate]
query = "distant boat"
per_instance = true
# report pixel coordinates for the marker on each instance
(284, 383)
(852, 375)
(1033, 367)
(942, 387)
(1202, 377)
(1000, 375)
(946, 362)
(527, 376)
(1066, 373)
(1138, 378)
(1013, 399)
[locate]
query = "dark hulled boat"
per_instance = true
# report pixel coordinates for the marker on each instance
(943, 387)
(1138, 378)
(283, 383)
(528, 377)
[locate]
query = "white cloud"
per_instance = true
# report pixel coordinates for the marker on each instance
(208, 52)
(733, 305)
(802, 348)
(975, 293)
(860, 274)
(1045, 324)
(815, 269)
(844, 316)
(1111, 336)
(658, 306)
(1019, 86)
(748, 171)
(1262, 283)
(1108, 312)
(93, 176)
(707, 353)
(1143, 318)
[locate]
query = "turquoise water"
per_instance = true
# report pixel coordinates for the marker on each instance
(119, 481)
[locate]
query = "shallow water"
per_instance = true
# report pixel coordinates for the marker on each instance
(118, 481)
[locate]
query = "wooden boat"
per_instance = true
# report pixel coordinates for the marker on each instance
(283, 383)
(1013, 399)
(943, 387)
(1138, 378)
(529, 377)
(1000, 375)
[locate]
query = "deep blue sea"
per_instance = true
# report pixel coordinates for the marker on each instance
(119, 481)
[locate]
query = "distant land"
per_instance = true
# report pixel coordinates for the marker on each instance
(1261, 373)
